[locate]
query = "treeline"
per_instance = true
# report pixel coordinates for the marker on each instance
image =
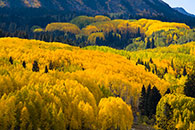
(101, 30)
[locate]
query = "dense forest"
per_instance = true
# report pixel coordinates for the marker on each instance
(103, 31)
(97, 73)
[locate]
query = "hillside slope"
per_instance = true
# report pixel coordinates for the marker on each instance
(134, 8)
(183, 11)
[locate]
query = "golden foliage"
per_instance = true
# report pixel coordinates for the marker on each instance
(114, 113)
(70, 92)
(150, 26)
(64, 27)
(89, 30)
(101, 18)
(38, 30)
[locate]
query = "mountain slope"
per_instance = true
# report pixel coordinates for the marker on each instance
(143, 8)
(25, 11)
(183, 11)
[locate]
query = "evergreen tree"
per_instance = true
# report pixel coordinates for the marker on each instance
(189, 88)
(153, 100)
(50, 65)
(151, 61)
(138, 32)
(142, 101)
(155, 68)
(172, 64)
(46, 70)
(184, 71)
(148, 43)
(168, 91)
(166, 71)
(147, 103)
(24, 64)
(11, 60)
(152, 44)
(35, 67)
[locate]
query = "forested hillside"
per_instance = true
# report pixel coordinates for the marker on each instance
(174, 64)
(100, 30)
(58, 86)
(155, 9)
(95, 72)
(53, 85)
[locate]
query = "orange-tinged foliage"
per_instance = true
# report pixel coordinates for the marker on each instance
(89, 30)
(65, 27)
(101, 18)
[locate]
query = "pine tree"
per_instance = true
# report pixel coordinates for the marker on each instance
(154, 98)
(152, 44)
(151, 61)
(172, 64)
(24, 64)
(147, 103)
(148, 43)
(155, 68)
(11, 60)
(46, 70)
(50, 65)
(166, 71)
(189, 88)
(142, 101)
(184, 71)
(35, 67)
(168, 91)
(138, 32)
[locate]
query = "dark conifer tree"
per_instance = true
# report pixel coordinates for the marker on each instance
(138, 32)
(189, 88)
(151, 61)
(168, 91)
(172, 64)
(184, 71)
(148, 43)
(142, 101)
(155, 68)
(24, 64)
(147, 103)
(152, 44)
(166, 71)
(50, 65)
(153, 100)
(46, 70)
(11, 60)
(35, 67)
